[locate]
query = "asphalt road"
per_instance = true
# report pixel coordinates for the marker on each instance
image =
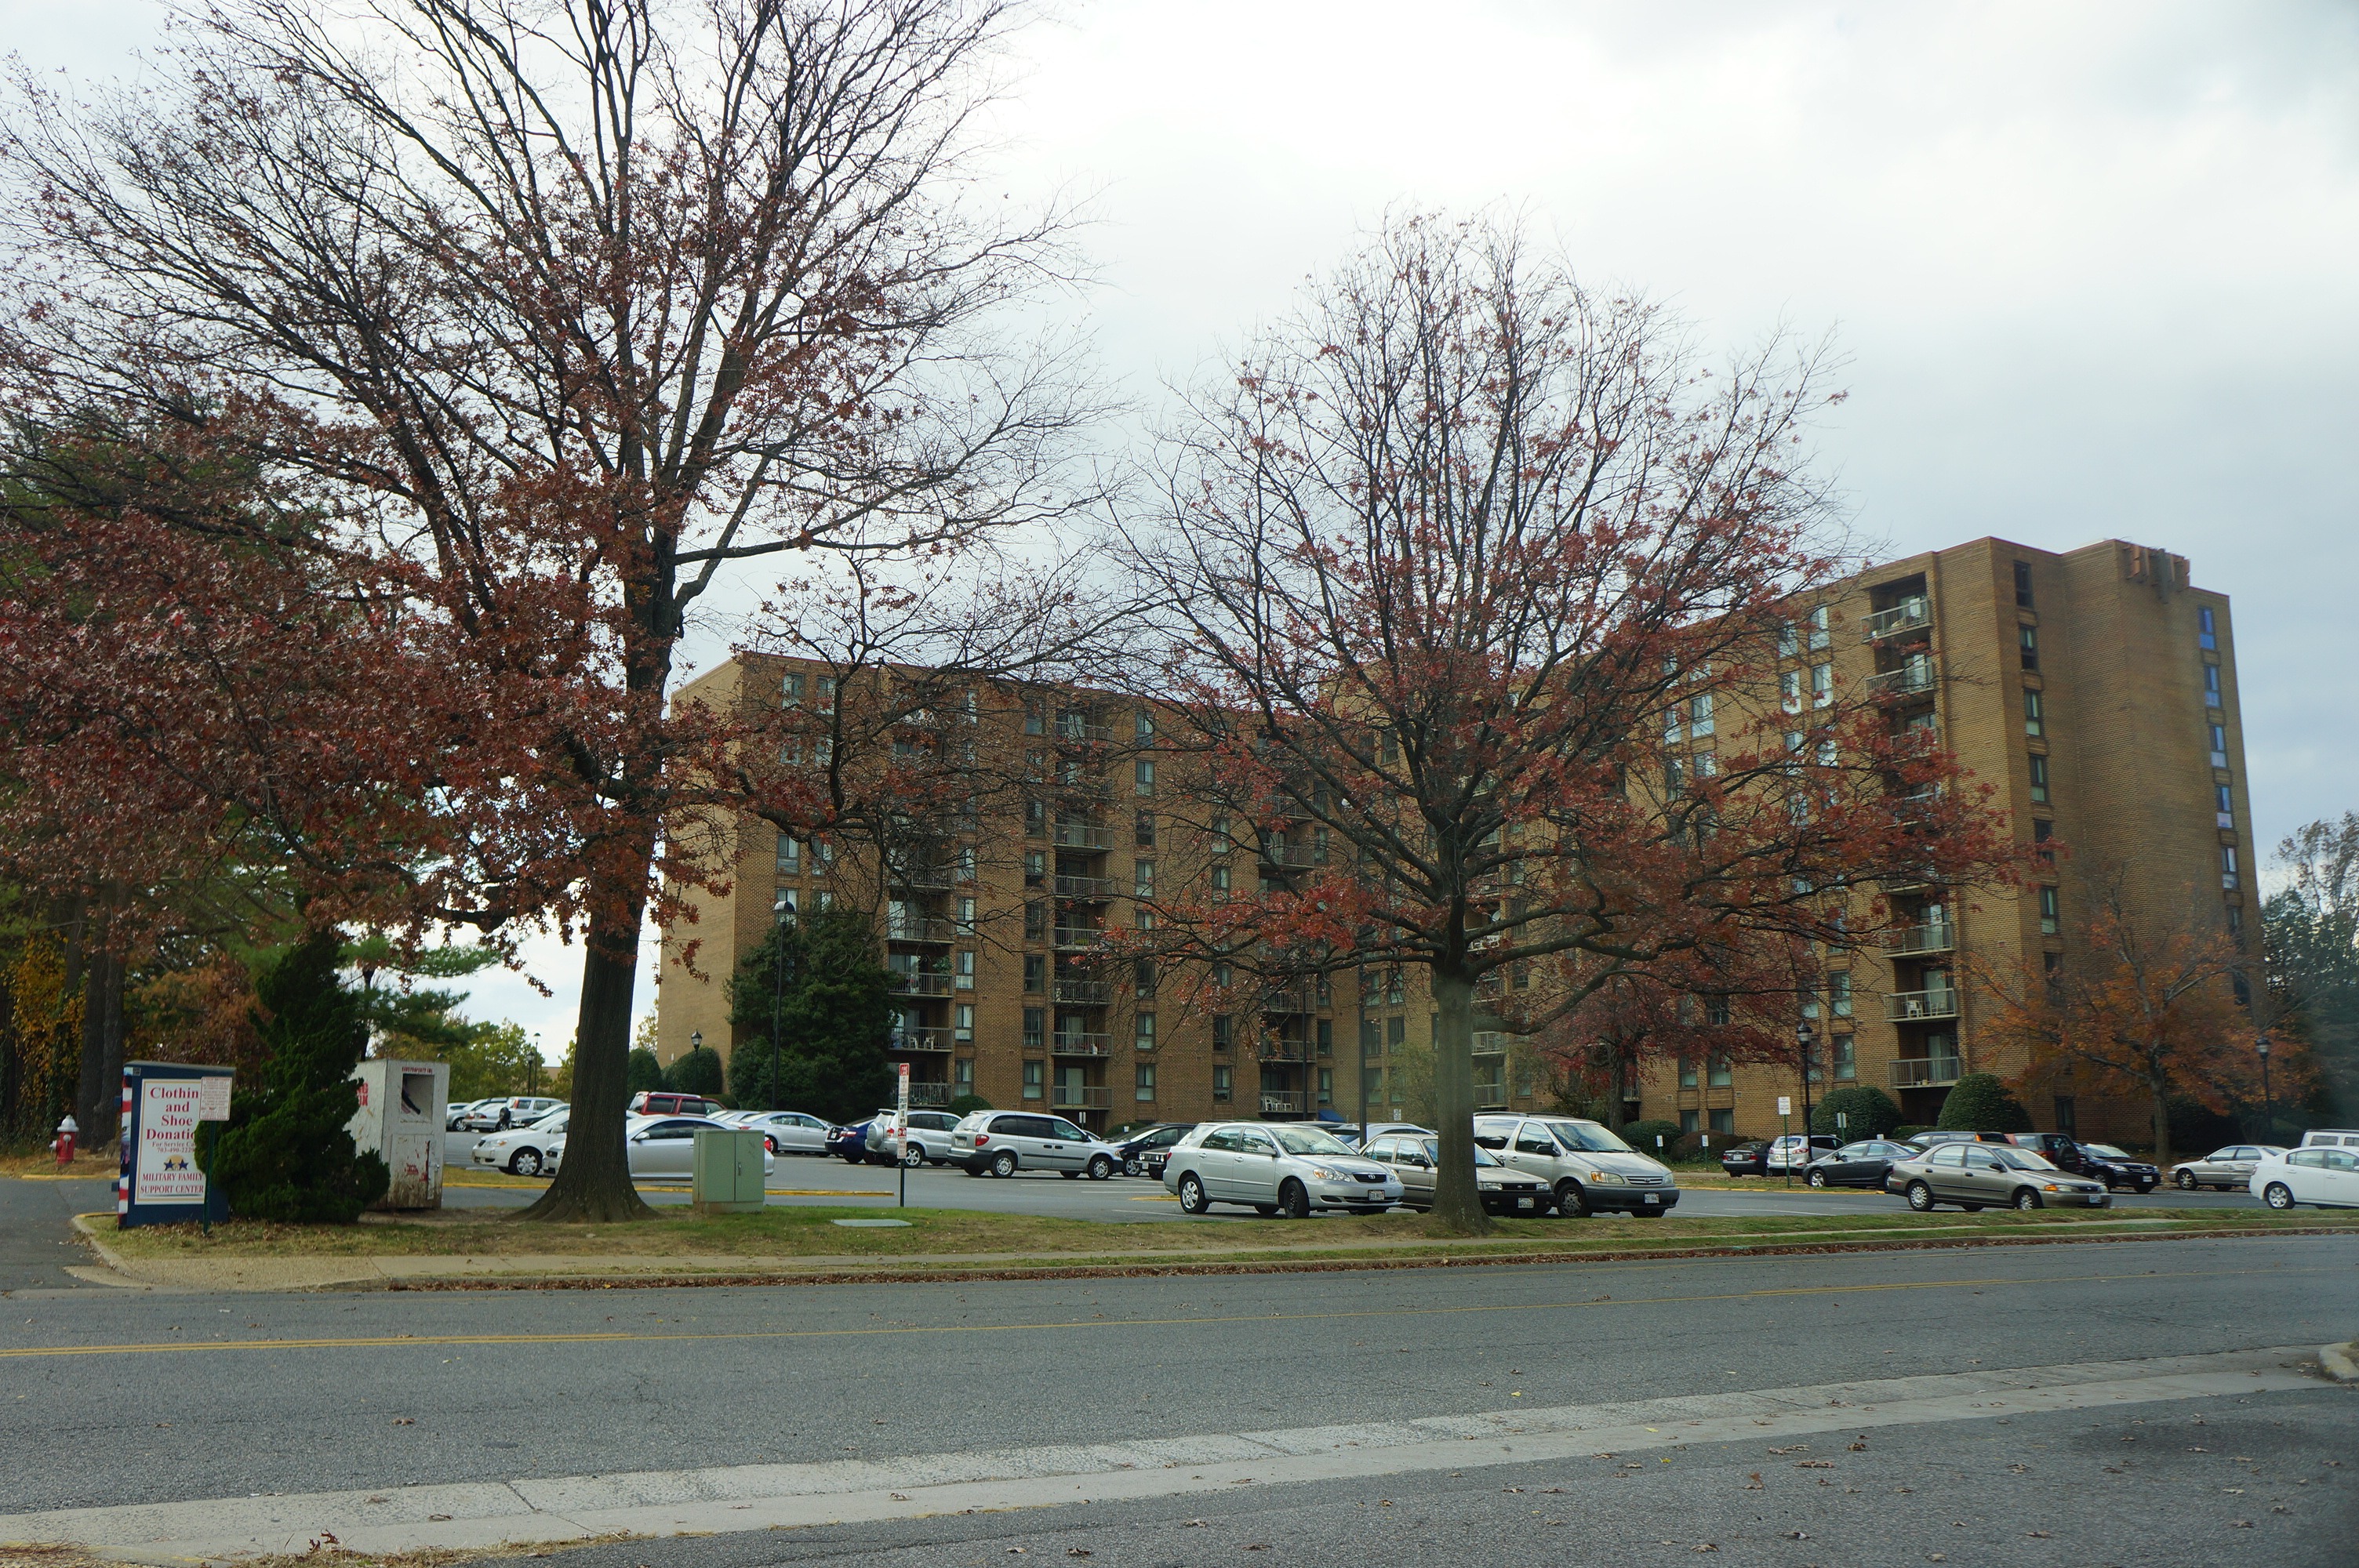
(116, 1397)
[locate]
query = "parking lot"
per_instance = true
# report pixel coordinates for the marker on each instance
(823, 1181)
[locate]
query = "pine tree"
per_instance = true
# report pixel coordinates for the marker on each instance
(835, 1016)
(288, 1153)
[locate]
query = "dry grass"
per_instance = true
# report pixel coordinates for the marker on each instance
(100, 1166)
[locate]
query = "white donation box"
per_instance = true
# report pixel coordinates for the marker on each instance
(400, 1120)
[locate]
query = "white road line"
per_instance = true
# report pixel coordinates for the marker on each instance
(765, 1496)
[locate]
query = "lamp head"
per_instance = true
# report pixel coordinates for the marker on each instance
(696, 1040)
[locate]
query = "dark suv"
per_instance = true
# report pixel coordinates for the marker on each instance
(2063, 1150)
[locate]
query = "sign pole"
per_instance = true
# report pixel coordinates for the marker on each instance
(901, 1123)
(1786, 1130)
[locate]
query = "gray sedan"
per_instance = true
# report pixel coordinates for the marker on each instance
(2224, 1168)
(1990, 1176)
(1414, 1160)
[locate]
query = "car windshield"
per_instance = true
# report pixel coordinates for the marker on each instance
(1432, 1147)
(2022, 1160)
(2107, 1152)
(553, 1122)
(1301, 1140)
(1587, 1138)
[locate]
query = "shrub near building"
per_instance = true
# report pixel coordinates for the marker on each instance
(1979, 1102)
(1867, 1113)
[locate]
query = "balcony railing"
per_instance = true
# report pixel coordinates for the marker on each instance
(1911, 615)
(1080, 835)
(1914, 676)
(1288, 998)
(931, 929)
(931, 1094)
(1925, 1072)
(1071, 1043)
(1275, 852)
(1284, 1102)
(1934, 936)
(1082, 993)
(923, 876)
(1281, 1051)
(1081, 788)
(919, 1039)
(917, 984)
(1088, 887)
(1910, 1007)
(1074, 732)
(1081, 936)
(1080, 1096)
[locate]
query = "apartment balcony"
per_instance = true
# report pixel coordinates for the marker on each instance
(1075, 787)
(1281, 1052)
(1079, 937)
(1912, 614)
(1288, 1000)
(1917, 1007)
(1087, 887)
(1075, 732)
(935, 877)
(1913, 941)
(1080, 835)
(1276, 852)
(1080, 1096)
(1070, 1043)
(1080, 993)
(931, 1094)
(907, 983)
(1925, 1073)
(1910, 679)
(933, 930)
(1286, 1102)
(921, 1039)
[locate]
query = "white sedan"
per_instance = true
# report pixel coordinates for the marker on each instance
(663, 1148)
(2326, 1177)
(786, 1131)
(524, 1151)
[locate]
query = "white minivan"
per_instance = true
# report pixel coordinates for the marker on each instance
(1586, 1167)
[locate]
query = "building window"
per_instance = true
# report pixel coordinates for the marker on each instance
(2028, 638)
(1821, 620)
(1144, 1073)
(2039, 781)
(1036, 819)
(1394, 983)
(2210, 686)
(1789, 640)
(2224, 803)
(790, 691)
(2218, 745)
(786, 908)
(1143, 835)
(1036, 919)
(1375, 1085)
(962, 1021)
(1220, 879)
(2032, 724)
(1142, 879)
(1372, 1043)
(1716, 1073)
(1839, 993)
(1699, 721)
(1326, 1036)
(1789, 690)
(965, 973)
(962, 1074)
(1142, 726)
(1724, 1122)
(1671, 722)
(790, 857)
(2051, 912)
(1687, 1073)
(1143, 775)
(2023, 585)
(1221, 1032)
(1142, 1037)
(1846, 1058)
(1326, 1086)
(2207, 630)
(1219, 1083)
(827, 694)
(1690, 1123)
(2042, 832)
(1036, 1028)
(1036, 973)
(1035, 718)
(966, 914)
(1395, 1031)
(1142, 977)
(1034, 1073)
(2228, 866)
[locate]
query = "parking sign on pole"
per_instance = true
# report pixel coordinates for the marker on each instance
(901, 1130)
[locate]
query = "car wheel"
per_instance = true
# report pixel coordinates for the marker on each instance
(1293, 1201)
(1818, 1178)
(2186, 1180)
(2026, 1198)
(1266, 1210)
(1920, 1197)
(1191, 1195)
(1131, 1167)
(2277, 1196)
(913, 1156)
(1003, 1162)
(1572, 1202)
(526, 1162)
(1101, 1168)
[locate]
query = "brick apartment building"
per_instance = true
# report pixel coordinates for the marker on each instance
(2096, 689)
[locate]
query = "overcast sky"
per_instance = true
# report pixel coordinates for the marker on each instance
(2095, 266)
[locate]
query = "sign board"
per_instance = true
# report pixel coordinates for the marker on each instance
(213, 1099)
(901, 1106)
(158, 1179)
(1785, 1105)
(1842, 1119)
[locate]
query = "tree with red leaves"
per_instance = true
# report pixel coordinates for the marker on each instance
(553, 316)
(1435, 564)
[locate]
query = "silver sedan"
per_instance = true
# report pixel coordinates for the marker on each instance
(2225, 1169)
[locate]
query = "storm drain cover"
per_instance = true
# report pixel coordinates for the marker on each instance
(866, 1224)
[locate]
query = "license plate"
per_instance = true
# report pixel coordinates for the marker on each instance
(1654, 1198)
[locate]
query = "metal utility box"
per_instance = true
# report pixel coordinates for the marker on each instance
(400, 1118)
(728, 1171)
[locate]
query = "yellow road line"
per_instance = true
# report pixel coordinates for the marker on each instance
(392, 1341)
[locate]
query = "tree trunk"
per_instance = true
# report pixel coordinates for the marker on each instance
(1617, 1081)
(593, 1183)
(99, 1096)
(2155, 1087)
(1457, 1200)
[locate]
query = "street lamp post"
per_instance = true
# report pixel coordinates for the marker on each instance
(2268, 1110)
(1804, 1039)
(779, 912)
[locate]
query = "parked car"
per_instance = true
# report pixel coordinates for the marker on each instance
(1002, 1142)
(1795, 1151)
(2063, 1150)
(2226, 1169)
(1143, 1153)
(928, 1139)
(788, 1132)
(514, 1111)
(665, 1102)
(2118, 1167)
(1276, 1167)
(1415, 1159)
(1862, 1164)
(2330, 1138)
(524, 1151)
(663, 1148)
(1744, 1159)
(1587, 1168)
(2313, 1173)
(454, 1116)
(1932, 1136)
(1976, 1176)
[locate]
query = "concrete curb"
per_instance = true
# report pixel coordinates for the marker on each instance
(275, 1274)
(2340, 1362)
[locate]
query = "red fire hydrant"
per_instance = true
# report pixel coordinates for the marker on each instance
(65, 1143)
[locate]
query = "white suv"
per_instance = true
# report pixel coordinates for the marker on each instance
(1582, 1163)
(1002, 1142)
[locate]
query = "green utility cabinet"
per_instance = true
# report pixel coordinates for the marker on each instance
(728, 1171)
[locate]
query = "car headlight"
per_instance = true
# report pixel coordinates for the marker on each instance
(1610, 1177)
(1324, 1174)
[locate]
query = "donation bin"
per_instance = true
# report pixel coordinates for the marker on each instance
(728, 1171)
(400, 1120)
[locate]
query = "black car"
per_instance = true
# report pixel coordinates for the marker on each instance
(1745, 1159)
(1861, 1164)
(2117, 1168)
(1143, 1153)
